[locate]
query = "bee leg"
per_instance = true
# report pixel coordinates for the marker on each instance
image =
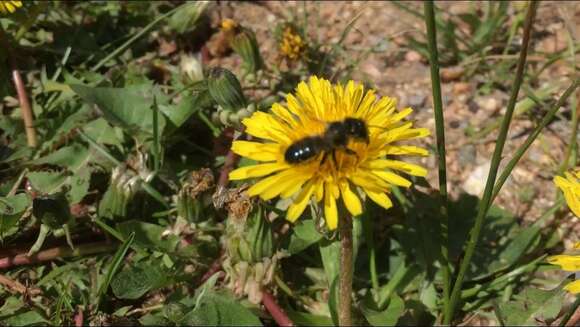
(324, 158)
(351, 152)
(334, 158)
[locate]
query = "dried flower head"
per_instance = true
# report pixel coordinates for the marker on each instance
(330, 141)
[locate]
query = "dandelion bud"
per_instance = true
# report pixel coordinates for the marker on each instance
(53, 210)
(192, 196)
(225, 89)
(191, 69)
(246, 46)
(122, 189)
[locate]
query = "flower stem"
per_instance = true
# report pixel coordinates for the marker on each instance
(275, 310)
(346, 267)
(440, 132)
(532, 137)
(496, 158)
(53, 253)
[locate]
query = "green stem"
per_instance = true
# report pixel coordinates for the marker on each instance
(496, 158)
(572, 143)
(346, 271)
(157, 153)
(532, 137)
(370, 238)
(440, 133)
(135, 37)
(570, 312)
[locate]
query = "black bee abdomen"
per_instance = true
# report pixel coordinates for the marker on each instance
(303, 150)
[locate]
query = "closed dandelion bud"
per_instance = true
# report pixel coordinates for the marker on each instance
(191, 69)
(225, 89)
(52, 210)
(246, 46)
(191, 198)
(122, 189)
(259, 235)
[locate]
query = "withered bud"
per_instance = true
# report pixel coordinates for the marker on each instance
(199, 181)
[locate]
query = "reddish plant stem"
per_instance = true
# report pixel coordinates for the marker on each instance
(79, 317)
(57, 252)
(274, 309)
(215, 267)
(231, 160)
(27, 114)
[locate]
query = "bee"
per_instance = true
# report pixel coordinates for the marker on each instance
(335, 137)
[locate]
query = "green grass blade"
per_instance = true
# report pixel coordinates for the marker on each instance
(117, 260)
(532, 137)
(488, 192)
(135, 37)
(440, 133)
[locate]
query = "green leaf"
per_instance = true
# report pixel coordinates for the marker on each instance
(134, 282)
(11, 305)
(72, 157)
(333, 300)
(11, 209)
(47, 182)
(220, 309)
(387, 317)
(330, 253)
(530, 306)
(115, 264)
(520, 244)
(79, 186)
(304, 235)
(29, 318)
(103, 133)
(307, 319)
(149, 236)
(129, 108)
(179, 114)
(154, 319)
(187, 17)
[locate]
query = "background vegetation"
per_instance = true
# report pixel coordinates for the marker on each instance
(115, 205)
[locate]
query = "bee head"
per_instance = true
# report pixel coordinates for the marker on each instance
(357, 129)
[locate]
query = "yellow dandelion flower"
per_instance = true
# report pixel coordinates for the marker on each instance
(570, 186)
(9, 6)
(228, 24)
(344, 166)
(569, 262)
(292, 44)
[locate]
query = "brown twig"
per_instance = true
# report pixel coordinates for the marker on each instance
(274, 309)
(230, 162)
(58, 252)
(13, 285)
(27, 115)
